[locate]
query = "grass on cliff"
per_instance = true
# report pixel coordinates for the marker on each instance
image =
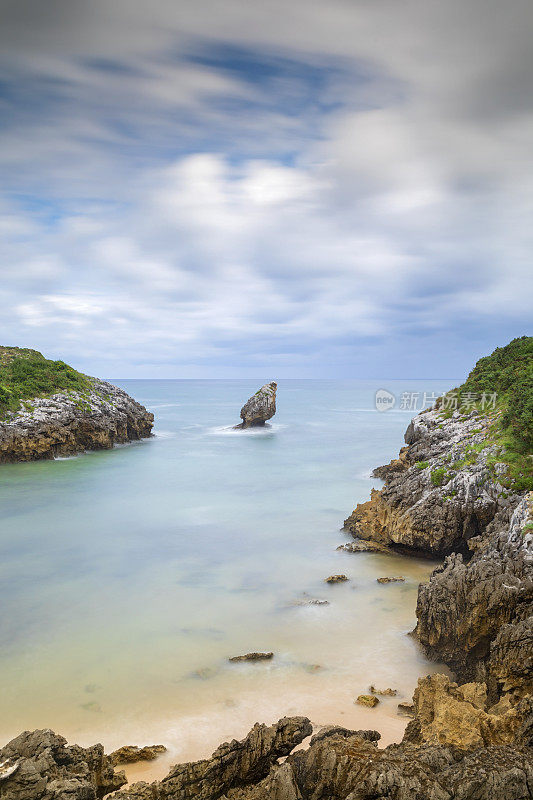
(25, 374)
(508, 372)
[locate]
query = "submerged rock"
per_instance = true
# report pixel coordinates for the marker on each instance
(336, 579)
(253, 657)
(383, 692)
(130, 754)
(394, 579)
(260, 407)
(309, 601)
(360, 546)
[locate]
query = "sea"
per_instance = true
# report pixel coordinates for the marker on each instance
(129, 577)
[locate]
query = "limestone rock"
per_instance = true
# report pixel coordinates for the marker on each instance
(260, 407)
(252, 657)
(336, 579)
(440, 493)
(368, 700)
(477, 615)
(234, 764)
(69, 423)
(49, 769)
(452, 715)
(359, 546)
(130, 754)
(383, 692)
(394, 579)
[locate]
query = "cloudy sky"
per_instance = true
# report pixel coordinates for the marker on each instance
(226, 188)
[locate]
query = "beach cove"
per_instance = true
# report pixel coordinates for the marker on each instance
(131, 576)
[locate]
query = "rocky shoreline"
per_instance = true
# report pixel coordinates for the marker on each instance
(468, 740)
(70, 422)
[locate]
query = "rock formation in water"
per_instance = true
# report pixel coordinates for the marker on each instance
(131, 754)
(71, 413)
(260, 407)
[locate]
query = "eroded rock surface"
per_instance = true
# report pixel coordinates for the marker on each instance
(260, 407)
(442, 491)
(68, 423)
(477, 615)
(49, 769)
(234, 764)
(131, 754)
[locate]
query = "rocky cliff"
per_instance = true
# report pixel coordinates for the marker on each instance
(442, 491)
(47, 408)
(70, 422)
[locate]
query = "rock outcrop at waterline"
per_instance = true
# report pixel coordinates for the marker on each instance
(453, 749)
(442, 491)
(70, 422)
(477, 614)
(260, 407)
(46, 768)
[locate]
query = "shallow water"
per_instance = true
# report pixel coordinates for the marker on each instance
(128, 577)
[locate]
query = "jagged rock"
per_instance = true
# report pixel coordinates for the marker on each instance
(393, 579)
(130, 754)
(68, 423)
(383, 692)
(350, 767)
(252, 657)
(368, 700)
(49, 769)
(260, 407)
(478, 616)
(233, 765)
(440, 493)
(448, 714)
(336, 579)
(359, 546)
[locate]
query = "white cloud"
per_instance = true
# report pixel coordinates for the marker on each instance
(183, 208)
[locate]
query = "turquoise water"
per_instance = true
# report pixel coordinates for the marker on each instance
(128, 577)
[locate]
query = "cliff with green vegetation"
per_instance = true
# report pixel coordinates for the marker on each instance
(26, 374)
(48, 409)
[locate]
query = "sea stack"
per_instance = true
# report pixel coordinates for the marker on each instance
(260, 407)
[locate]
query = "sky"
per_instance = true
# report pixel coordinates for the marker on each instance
(257, 188)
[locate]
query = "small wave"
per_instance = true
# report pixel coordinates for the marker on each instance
(165, 434)
(67, 458)
(366, 475)
(267, 430)
(165, 405)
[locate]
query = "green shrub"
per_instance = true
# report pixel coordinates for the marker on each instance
(439, 476)
(25, 374)
(422, 464)
(508, 372)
